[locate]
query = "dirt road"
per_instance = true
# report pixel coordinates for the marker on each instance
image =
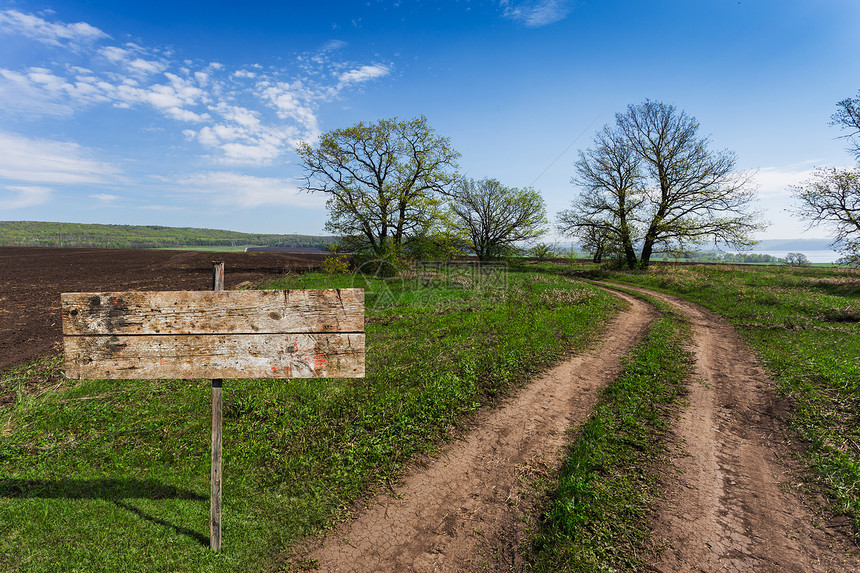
(724, 508)
(462, 511)
(727, 506)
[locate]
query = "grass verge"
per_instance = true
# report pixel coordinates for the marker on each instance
(114, 475)
(595, 516)
(804, 323)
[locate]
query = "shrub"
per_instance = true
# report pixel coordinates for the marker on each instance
(335, 265)
(543, 251)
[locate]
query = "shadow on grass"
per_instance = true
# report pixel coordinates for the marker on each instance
(116, 491)
(199, 537)
(108, 489)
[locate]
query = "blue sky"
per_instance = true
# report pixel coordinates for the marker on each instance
(188, 113)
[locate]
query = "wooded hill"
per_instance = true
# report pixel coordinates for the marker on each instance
(43, 234)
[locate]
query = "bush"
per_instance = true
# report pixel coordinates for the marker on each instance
(543, 251)
(335, 265)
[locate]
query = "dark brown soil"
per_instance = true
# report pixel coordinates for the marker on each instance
(32, 279)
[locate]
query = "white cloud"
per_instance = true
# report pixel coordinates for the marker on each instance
(333, 45)
(24, 196)
(243, 116)
(293, 102)
(104, 197)
(181, 114)
(50, 162)
(230, 189)
(363, 74)
(115, 54)
(259, 152)
(49, 32)
(147, 67)
(776, 181)
(21, 96)
(536, 13)
(241, 137)
(134, 59)
(161, 208)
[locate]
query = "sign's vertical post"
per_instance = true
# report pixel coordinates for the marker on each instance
(217, 418)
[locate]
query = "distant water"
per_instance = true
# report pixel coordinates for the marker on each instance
(814, 256)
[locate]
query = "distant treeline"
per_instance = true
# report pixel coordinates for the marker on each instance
(41, 234)
(716, 257)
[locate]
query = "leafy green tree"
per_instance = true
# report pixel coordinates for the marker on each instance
(441, 241)
(652, 180)
(496, 217)
(543, 251)
(382, 179)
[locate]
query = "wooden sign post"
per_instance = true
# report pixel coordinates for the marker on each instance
(217, 334)
(217, 423)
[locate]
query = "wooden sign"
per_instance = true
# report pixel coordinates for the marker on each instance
(221, 334)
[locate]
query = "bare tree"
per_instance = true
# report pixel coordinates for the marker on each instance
(653, 180)
(383, 179)
(597, 240)
(603, 215)
(795, 260)
(495, 217)
(832, 198)
(847, 116)
(693, 194)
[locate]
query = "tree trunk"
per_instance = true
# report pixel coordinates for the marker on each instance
(627, 244)
(647, 249)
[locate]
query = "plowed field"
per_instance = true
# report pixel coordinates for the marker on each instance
(33, 278)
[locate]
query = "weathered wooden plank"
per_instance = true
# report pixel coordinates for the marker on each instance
(215, 356)
(203, 312)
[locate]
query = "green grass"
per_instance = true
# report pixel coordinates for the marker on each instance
(595, 518)
(804, 325)
(114, 475)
